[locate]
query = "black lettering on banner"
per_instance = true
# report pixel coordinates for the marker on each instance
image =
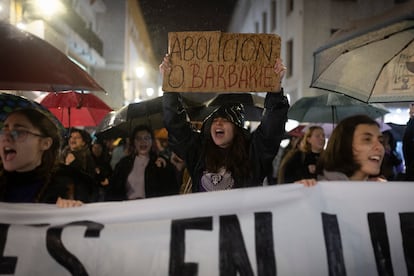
(59, 252)
(265, 252)
(333, 243)
(177, 244)
(380, 243)
(407, 231)
(7, 264)
(233, 254)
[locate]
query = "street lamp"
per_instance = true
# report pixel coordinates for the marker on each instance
(139, 72)
(149, 91)
(48, 7)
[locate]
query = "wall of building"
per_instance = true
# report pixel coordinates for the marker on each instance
(308, 26)
(111, 28)
(107, 38)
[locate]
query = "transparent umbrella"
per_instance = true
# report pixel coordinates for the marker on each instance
(371, 60)
(332, 108)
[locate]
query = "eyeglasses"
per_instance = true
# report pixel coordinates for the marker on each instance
(18, 135)
(143, 138)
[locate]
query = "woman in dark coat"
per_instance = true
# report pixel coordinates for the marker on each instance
(141, 174)
(224, 155)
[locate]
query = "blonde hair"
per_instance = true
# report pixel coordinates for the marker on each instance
(304, 145)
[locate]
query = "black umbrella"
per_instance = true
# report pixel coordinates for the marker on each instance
(397, 131)
(11, 102)
(332, 108)
(148, 112)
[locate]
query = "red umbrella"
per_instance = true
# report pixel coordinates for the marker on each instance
(76, 109)
(32, 64)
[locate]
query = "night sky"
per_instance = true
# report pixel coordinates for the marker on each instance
(163, 16)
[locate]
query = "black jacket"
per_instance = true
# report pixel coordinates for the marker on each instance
(158, 181)
(264, 141)
(35, 187)
(296, 166)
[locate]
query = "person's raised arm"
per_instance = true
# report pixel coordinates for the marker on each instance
(179, 128)
(280, 70)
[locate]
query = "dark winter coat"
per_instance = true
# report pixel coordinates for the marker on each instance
(158, 181)
(296, 166)
(34, 187)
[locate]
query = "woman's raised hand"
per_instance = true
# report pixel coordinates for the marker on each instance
(68, 203)
(165, 65)
(280, 69)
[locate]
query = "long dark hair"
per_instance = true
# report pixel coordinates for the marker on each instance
(338, 155)
(235, 158)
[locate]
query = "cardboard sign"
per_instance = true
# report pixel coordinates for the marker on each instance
(222, 62)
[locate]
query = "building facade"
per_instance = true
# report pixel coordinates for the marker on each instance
(106, 38)
(303, 26)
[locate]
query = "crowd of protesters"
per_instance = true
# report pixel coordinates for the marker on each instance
(38, 165)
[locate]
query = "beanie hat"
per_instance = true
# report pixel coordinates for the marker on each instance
(234, 112)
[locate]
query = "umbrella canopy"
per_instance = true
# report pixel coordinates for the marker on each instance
(372, 60)
(328, 128)
(332, 108)
(120, 122)
(76, 109)
(11, 102)
(147, 112)
(108, 127)
(32, 64)
(397, 131)
(253, 105)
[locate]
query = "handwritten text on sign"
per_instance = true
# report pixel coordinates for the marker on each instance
(216, 62)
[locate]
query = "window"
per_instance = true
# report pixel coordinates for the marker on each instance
(289, 55)
(334, 31)
(264, 22)
(289, 6)
(256, 27)
(273, 14)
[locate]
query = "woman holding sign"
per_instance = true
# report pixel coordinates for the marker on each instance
(224, 155)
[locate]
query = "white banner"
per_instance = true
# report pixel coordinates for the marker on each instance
(334, 228)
